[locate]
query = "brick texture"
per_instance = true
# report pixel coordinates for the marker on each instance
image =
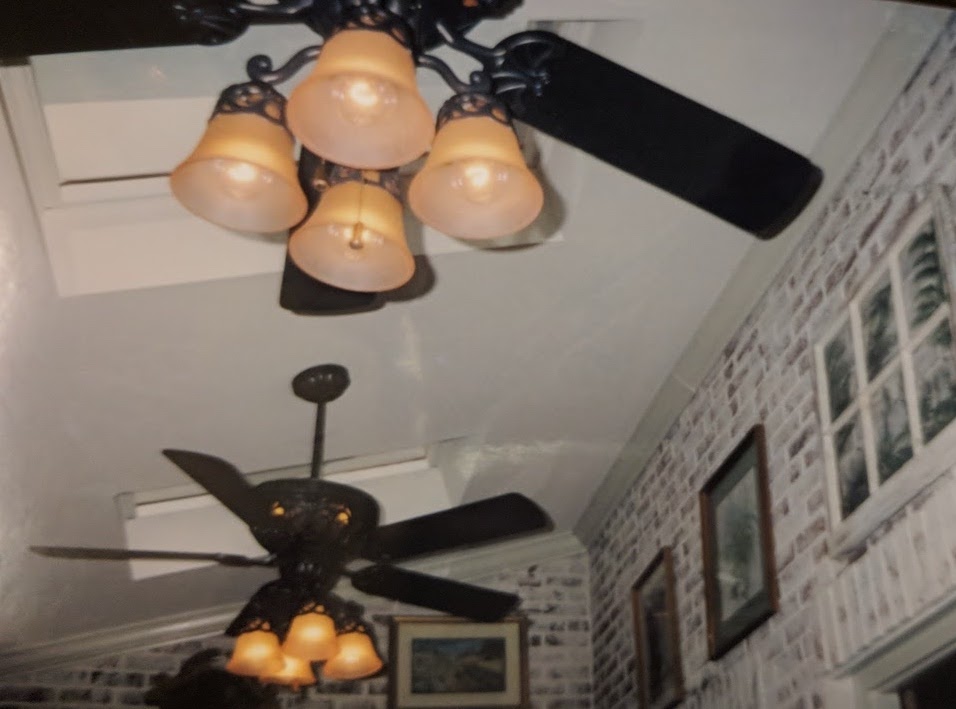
(555, 597)
(830, 611)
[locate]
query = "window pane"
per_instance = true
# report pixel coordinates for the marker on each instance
(924, 281)
(935, 373)
(841, 382)
(879, 327)
(851, 466)
(891, 426)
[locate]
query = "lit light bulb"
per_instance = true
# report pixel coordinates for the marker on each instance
(242, 180)
(363, 100)
(355, 239)
(481, 180)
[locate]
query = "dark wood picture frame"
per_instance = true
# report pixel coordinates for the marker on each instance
(660, 674)
(404, 629)
(738, 534)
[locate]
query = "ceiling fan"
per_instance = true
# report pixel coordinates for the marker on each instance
(537, 77)
(314, 531)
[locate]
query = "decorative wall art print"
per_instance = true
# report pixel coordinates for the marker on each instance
(660, 676)
(437, 662)
(740, 581)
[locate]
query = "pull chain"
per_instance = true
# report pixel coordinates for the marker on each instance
(357, 243)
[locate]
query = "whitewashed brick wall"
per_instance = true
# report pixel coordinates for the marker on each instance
(555, 596)
(766, 374)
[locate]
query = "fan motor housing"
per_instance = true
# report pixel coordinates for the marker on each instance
(315, 522)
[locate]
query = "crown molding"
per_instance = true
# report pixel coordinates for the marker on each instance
(470, 565)
(889, 68)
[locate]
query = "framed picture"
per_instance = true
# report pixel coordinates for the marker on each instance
(656, 635)
(437, 662)
(740, 581)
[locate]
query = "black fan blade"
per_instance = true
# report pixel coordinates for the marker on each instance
(223, 482)
(304, 295)
(53, 26)
(96, 553)
(439, 594)
(664, 138)
(482, 522)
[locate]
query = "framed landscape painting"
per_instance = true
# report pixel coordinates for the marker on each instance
(660, 677)
(437, 662)
(740, 581)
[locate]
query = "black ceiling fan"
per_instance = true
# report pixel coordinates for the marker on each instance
(313, 529)
(546, 81)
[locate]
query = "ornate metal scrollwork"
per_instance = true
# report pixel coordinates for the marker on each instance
(255, 97)
(373, 17)
(213, 21)
(517, 63)
(524, 62)
(473, 105)
(260, 68)
(386, 179)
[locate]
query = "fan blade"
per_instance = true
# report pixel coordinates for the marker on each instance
(482, 522)
(439, 594)
(96, 553)
(223, 482)
(304, 295)
(53, 26)
(662, 137)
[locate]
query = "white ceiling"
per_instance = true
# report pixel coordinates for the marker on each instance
(543, 360)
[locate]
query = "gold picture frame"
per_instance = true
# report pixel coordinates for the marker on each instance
(437, 662)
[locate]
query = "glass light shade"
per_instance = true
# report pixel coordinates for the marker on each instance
(256, 653)
(328, 248)
(475, 183)
(295, 672)
(311, 637)
(361, 106)
(242, 176)
(355, 659)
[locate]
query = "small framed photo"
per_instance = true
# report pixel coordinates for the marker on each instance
(437, 662)
(740, 581)
(660, 676)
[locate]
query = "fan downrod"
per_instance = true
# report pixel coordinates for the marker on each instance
(321, 384)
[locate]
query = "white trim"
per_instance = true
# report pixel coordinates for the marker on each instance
(28, 125)
(471, 565)
(891, 65)
(915, 646)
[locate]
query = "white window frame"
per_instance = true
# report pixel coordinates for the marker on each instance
(928, 461)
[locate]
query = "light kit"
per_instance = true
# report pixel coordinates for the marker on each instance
(361, 113)
(360, 109)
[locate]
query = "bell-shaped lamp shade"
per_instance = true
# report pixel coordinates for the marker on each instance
(355, 659)
(311, 637)
(355, 240)
(361, 106)
(256, 653)
(295, 672)
(242, 176)
(475, 183)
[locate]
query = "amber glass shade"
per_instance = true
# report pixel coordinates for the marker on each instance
(311, 637)
(242, 176)
(475, 183)
(355, 659)
(361, 106)
(256, 653)
(355, 240)
(294, 672)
